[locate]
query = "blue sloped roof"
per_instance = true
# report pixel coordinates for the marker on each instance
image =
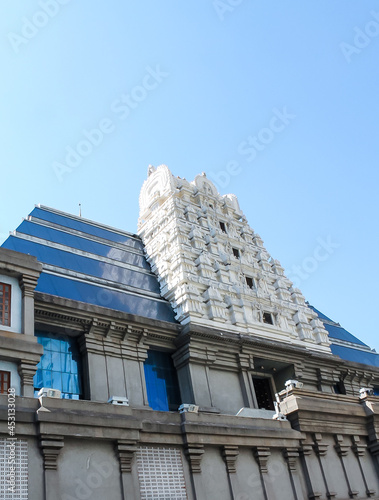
(81, 243)
(89, 227)
(337, 332)
(83, 264)
(90, 263)
(100, 296)
(320, 314)
(345, 345)
(356, 355)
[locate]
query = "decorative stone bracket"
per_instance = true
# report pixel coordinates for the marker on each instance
(51, 447)
(27, 370)
(291, 455)
(126, 450)
(194, 454)
(262, 454)
(230, 454)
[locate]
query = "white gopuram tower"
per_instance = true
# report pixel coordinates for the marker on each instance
(213, 268)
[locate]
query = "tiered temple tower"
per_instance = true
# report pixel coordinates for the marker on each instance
(214, 269)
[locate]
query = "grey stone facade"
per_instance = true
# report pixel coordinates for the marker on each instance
(321, 444)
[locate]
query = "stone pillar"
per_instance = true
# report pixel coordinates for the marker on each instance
(246, 364)
(194, 454)
(262, 454)
(359, 450)
(230, 454)
(342, 451)
(291, 455)
(305, 454)
(192, 364)
(27, 370)
(27, 285)
(374, 450)
(320, 450)
(50, 447)
(373, 431)
(125, 450)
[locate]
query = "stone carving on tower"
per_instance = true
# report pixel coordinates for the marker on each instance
(214, 269)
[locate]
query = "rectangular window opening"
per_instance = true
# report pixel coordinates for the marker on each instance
(236, 253)
(161, 381)
(5, 304)
(60, 366)
(339, 388)
(263, 393)
(223, 227)
(5, 382)
(267, 318)
(249, 282)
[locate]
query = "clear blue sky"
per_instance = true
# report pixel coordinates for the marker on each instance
(197, 86)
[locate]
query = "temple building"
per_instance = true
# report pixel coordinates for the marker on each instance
(177, 363)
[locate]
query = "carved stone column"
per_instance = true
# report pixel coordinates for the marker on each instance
(230, 454)
(359, 450)
(262, 454)
(246, 364)
(27, 285)
(50, 447)
(305, 457)
(321, 449)
(126, 450)
(291, 457)
(194, 453)
(373, 430)
(342, 450)
(27, 370)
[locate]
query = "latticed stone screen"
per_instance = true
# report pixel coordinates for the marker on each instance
(160, 473)
(13, 469)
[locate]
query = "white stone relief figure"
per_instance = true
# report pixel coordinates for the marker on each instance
(204, 264)
(258, 240)
(227, 247)
(257, 312)
(241, 278)
(248, 257)
(300, 317)
(232, 231)
(280, 319)
(190, 213)
(263, 256)
(195, 232)
(261, 285)
(277, 268)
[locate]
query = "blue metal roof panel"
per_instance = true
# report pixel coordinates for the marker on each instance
(86, 245)
(85, 227)
(356, 355)
(85, 265)
(337, 332)
(320, 314)
(104, 297)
